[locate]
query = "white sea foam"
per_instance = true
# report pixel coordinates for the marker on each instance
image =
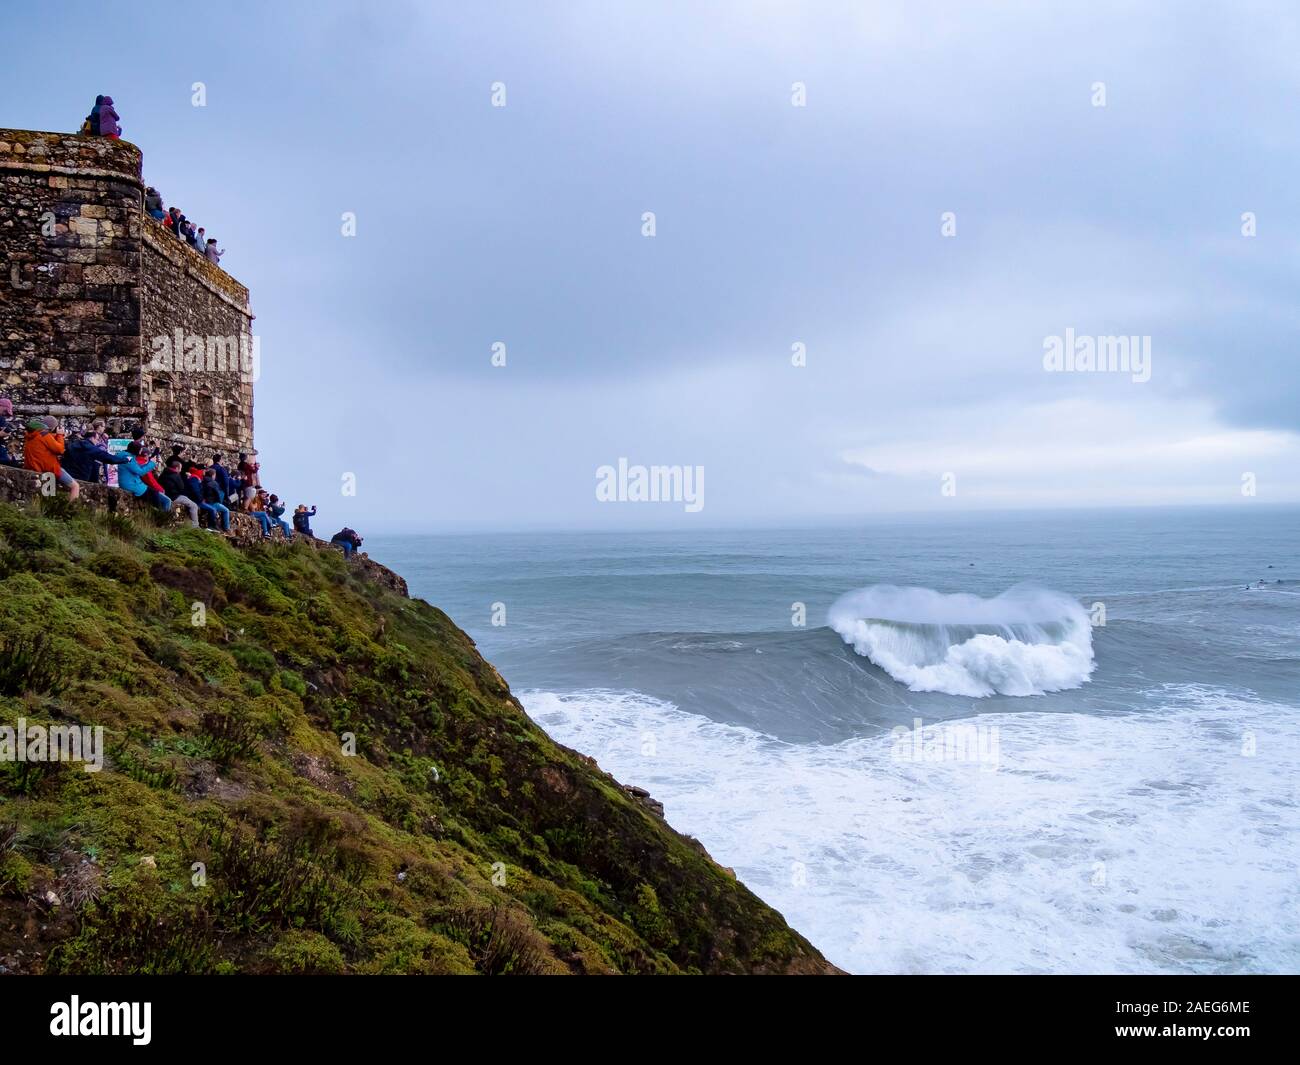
(1143, 842)
(1026, 641)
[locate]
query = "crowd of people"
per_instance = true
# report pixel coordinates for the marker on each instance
(209, 492)
(181, 227)
(104, 121)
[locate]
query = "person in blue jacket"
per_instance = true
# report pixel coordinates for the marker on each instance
(84, 460)
(194, 489)
(130, 478)
(302, 520)
(348, 540)
(275, 510)
(222, 475)
(214, 500)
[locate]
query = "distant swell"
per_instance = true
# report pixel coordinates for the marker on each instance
(1026, 641)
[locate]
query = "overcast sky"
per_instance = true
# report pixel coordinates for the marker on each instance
(775, 225)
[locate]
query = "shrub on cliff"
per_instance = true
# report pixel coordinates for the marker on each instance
(307, 772)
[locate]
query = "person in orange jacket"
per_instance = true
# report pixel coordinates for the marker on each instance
(42, 448)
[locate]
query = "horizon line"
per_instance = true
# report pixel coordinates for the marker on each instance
(813, 523)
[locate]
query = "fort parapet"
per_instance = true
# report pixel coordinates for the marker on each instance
(103, 312)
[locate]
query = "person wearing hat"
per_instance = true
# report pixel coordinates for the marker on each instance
(42, 449)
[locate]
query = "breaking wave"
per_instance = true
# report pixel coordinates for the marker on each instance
(1133, 842)
(1026, 641)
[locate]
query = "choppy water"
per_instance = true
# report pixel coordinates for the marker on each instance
(1081, 798)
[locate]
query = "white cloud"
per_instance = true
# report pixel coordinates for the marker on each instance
(1082, 452)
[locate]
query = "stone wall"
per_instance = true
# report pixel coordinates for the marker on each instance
(198, 346)
(93, 290)
(70, 211)
(20, 488)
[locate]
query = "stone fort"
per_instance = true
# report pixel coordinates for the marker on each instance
(104, 313)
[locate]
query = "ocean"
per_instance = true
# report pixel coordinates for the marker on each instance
(1056, 742)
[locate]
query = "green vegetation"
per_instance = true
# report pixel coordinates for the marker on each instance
(230, 830)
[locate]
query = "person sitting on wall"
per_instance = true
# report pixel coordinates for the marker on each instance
(131, 478)
(143, 456)
(214, 500)
(276, 511)
(43, 448)
(178, 491)
(85, 460)
(302, 520)
(210, 251)
(347, 539)
(107, 125)
(222, 475)
(6, 412)
(90, 124)
(153, 204)
(256, 506)
(193, 478)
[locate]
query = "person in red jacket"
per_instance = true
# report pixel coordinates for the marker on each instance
(142, 459)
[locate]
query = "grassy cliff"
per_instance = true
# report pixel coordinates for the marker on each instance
(229, 830)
